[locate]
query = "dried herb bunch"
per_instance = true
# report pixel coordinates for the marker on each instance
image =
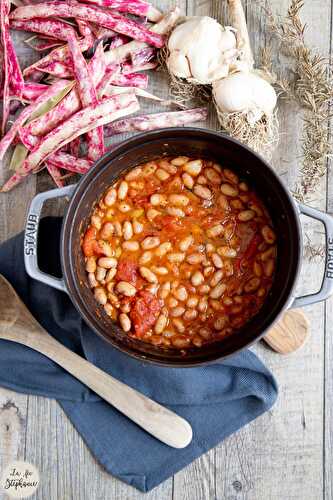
(312, 88)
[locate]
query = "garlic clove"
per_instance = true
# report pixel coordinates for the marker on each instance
(206, 46)
(178, 64)
(245, 92)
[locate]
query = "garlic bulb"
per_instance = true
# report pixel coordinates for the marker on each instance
(245, 92)
(201, 50)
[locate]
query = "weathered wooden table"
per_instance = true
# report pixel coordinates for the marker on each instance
(286, 454)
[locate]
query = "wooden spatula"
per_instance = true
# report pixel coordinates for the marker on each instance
(18, 325)
(290, 333)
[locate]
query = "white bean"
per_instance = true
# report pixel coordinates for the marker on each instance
(161, 174)
(203, 304)
(195, 258)
(217, 261)
(122, 190)
(172, 302)
(180, 200)
(125, 288)
(100, 295)
(125, 322)
(158, 199)
(220, 323)
(197, 278)
(150, 242)
(153, 288)
(137, 227)
(171, 169)
(185, 243)
(163, 249)
(161, 323)
(217, 291)
(96, 221)
(145, 257)
(152, 213)
(107, 262)
(179, 161)
(175, 211)
(230, 175)
(202, 180)
(214, 231)
(176, 257)
(100, 273)
(180, 293)
(91, 265)
(118, 228)
(176, 312)
(193, 167)
(203, 289)
(110, 197)
(92, 280)
(149, 169)
(188, 180)
(212, 176)
(190, 315)
(225, 251)
(208, 270)
(229, 190)
(246, 215)
(134, 174)
(107, 231)
(109, 309)
(192, 302)
(110, 274)
(179, 325)
(131, 246)
(148, 275)
(205, 333)
(127, 230)
(268, 235)
(216, 278)
(105, 248)
(202, 191)
(164, 290)
(161, 270)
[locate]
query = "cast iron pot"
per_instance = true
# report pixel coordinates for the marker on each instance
(193, 142)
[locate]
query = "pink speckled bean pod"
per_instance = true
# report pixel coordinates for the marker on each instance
(9, 137)
(83, 121)
(57, 29)
(88, 95)
(70, 162)
(136, 7)
(12, 182)
(162, 28)
(70, 103)
(59, 54)
(55, 173)
(31, 91)
(131, 80)
(155, 121)
(42, 44)
(93, 14)
(4, 28)
(59, 69)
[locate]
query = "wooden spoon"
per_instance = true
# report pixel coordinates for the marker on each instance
(18, 325)
(290, 333)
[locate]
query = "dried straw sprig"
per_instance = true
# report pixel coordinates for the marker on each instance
(313, 252)
(312, 88)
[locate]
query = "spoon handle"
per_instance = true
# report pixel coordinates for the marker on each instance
(159, 421)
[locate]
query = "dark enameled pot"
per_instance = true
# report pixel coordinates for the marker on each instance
(193, 142)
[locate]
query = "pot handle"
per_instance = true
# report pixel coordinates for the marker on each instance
(31, 237)
(326, 288)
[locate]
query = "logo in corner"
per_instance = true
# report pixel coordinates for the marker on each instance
(19, 480)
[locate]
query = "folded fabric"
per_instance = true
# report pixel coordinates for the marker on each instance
(217, 399)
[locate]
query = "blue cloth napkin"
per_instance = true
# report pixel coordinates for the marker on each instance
(217, 399)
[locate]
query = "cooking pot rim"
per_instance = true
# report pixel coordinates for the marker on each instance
(81, 188)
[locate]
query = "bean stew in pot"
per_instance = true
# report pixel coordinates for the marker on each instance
(180, 252)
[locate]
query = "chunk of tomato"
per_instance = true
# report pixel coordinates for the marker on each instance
(90, 245)
(144, 312)
(127, 271)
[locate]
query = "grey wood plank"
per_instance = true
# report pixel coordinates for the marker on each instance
(280, 454)
(13, 206)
